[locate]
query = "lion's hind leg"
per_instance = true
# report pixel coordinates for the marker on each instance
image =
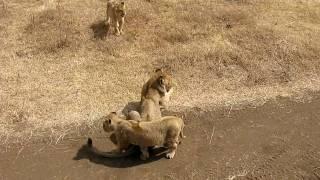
(172, 150)
(181, 134)
(172, 144)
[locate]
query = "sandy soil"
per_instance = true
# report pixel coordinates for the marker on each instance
(279, 140)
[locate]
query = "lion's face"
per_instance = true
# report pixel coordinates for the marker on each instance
(121, 9)
(109, 123)
(165, 83)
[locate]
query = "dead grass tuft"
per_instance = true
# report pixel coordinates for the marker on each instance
(4, 12)
(235, 46)
(173, 35)
(51, 30)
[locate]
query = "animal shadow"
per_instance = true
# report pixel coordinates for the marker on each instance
(100, 29)
(124, 162)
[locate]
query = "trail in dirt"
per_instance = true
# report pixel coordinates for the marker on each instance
(279, 140)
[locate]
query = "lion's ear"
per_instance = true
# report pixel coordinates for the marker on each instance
(158, 70)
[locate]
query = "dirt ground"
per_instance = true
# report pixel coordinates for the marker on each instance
(279, 140)
(60, 71)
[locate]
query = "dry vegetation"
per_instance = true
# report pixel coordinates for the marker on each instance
(59, 69)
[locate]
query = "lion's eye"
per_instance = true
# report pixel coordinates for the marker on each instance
(161, 81)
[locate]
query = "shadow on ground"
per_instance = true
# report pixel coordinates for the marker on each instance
(279, 140)
(100, 29)
(124, 162)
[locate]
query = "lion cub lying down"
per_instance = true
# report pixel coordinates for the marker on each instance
(164, 132)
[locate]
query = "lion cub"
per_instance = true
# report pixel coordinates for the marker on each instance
(160, 84)
(116, 13)
(164, 132)
(155, 92)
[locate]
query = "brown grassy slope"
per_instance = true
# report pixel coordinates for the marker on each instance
(57, 72)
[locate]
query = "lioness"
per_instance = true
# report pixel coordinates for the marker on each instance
(164, 132)
(116, 13)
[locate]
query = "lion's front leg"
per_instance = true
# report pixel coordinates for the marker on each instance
(108, 20)
(172, 144)
(122, 144)
(116, 28)
(165, 99)
(121, 22)
(172, 150)
(113, 138)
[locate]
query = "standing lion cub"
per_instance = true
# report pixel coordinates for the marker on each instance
(163, 132)
(116, 11)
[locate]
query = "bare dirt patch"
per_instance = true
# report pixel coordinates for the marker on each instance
(279, 140)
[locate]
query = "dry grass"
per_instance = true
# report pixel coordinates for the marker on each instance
(60, 70)
(4, 10)
(51, 30)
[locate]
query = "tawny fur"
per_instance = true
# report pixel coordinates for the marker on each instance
(134, 115)
(149, 108)
(164, 132)
(116, 12)
(160, 84)
(155, 92)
